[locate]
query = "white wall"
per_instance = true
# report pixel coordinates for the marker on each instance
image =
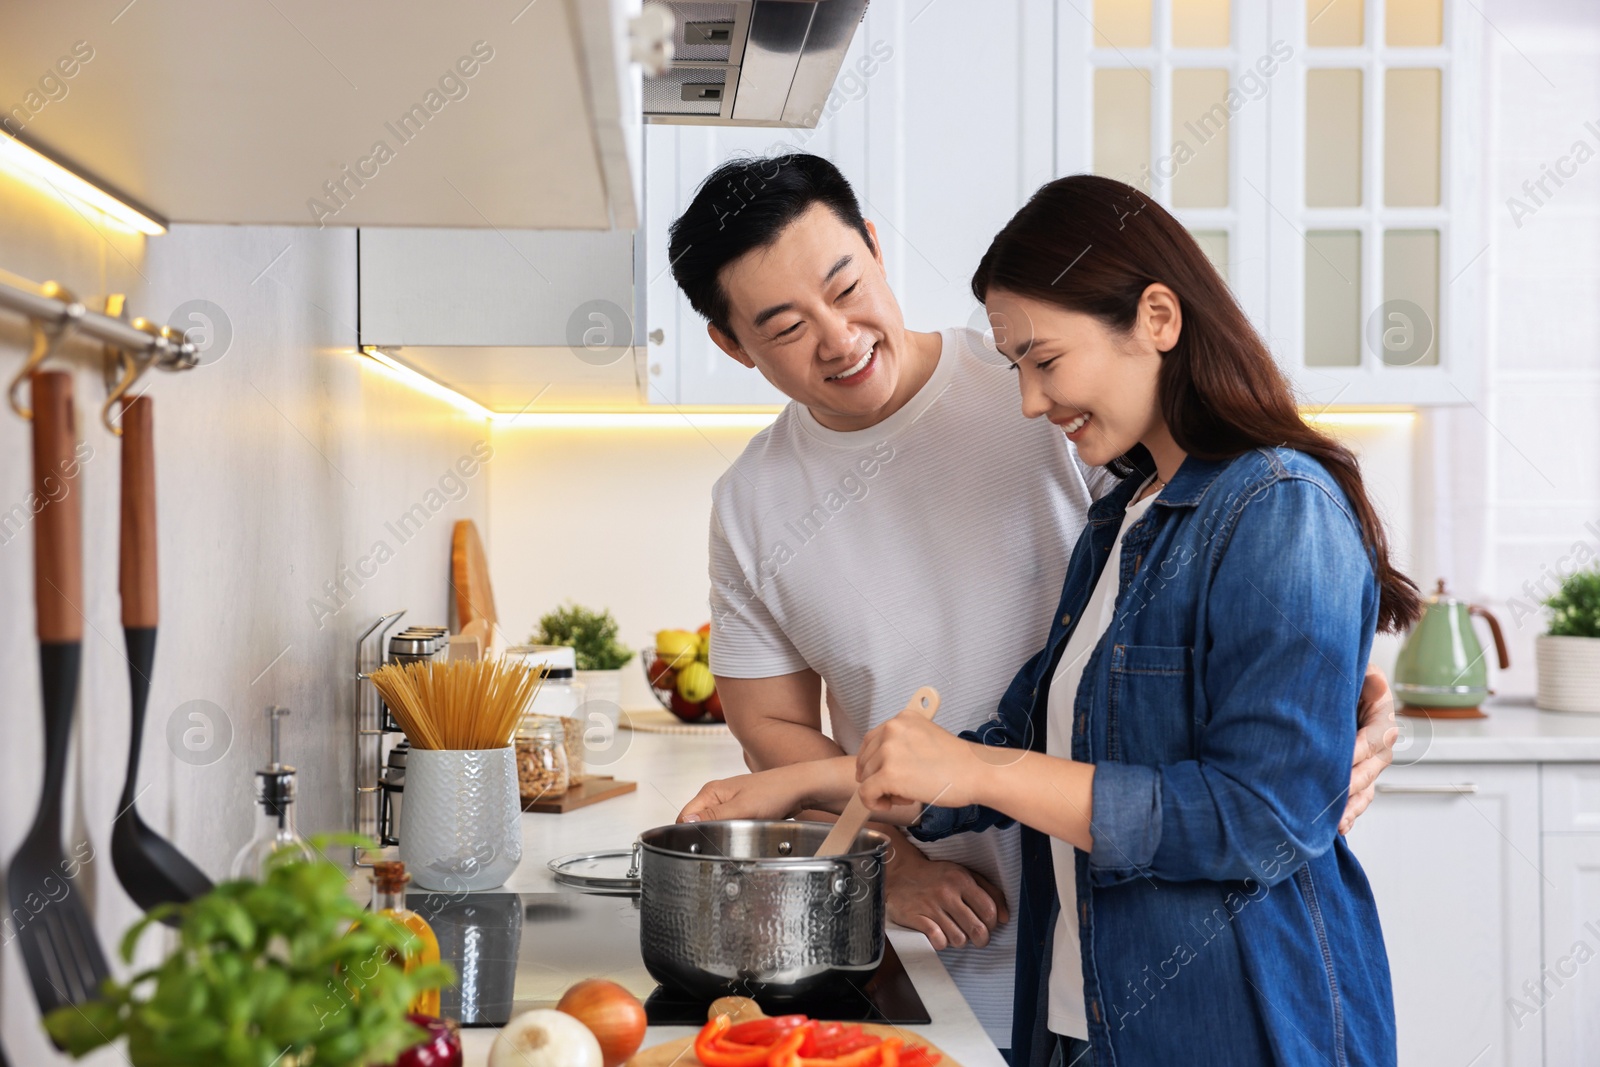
(612, 518)
(275, 467)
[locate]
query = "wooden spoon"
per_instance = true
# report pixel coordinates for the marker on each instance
(842, 837)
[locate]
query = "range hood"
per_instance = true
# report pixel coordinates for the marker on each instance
(752, 62)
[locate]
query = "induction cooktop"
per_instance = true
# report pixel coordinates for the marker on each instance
(515, 951)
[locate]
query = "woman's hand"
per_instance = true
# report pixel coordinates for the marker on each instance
(763, 795)
(910, 760)
(1375, 740)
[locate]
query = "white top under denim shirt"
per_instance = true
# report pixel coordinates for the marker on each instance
(1066, 1012)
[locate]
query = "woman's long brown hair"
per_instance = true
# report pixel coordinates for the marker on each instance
(1093, 245)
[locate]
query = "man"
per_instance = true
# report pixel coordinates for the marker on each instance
(901, 524)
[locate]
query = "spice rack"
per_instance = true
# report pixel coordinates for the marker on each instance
(369, 730)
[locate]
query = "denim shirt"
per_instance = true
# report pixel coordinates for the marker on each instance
(1222, 918)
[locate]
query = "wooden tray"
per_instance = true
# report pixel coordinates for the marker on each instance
(680, 1053)
(591, 790)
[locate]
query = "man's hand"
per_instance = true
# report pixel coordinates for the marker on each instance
(949, 904)
(762, 795)
(1375, 739)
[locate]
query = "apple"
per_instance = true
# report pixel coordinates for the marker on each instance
(695, 682)
(688, 711)
(661, 674)
(677, 647)
(714, 707)
(704, 631)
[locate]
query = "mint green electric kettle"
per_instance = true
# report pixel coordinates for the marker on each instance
(1441, 671)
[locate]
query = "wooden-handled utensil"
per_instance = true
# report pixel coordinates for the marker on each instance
(150, 868)
(63, 957)
(842, 837)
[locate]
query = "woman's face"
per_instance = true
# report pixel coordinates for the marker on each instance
(1098, 385)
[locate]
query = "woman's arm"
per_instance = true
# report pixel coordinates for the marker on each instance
(910, 761)
(1290, 617)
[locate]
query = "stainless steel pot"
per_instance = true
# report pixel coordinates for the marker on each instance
(743, 906)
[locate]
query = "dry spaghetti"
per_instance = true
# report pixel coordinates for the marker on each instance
(461, 705)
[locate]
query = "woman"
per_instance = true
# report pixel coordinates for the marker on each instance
(1178, 751)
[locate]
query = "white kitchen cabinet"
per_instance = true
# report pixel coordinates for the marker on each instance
(491, 287)
(509, 318)
(940, 158)
(1452, 852)
(1565, 995)
(1330, 155)
(959, 135)
(301, 113)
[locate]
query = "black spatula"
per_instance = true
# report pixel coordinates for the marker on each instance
(54, 931)
(150, 868)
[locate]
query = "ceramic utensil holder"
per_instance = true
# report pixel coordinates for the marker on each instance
(461, 826)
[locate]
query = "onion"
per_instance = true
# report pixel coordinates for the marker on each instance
(611, 1013)
(545, 1038)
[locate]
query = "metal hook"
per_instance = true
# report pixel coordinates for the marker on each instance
(133, 367)
(46, 339)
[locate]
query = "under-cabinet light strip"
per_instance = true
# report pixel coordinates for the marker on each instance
(54, 180)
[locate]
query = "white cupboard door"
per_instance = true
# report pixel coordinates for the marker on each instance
(1565, 995)
(960, 134)
(1452, 852)
(1571, 798)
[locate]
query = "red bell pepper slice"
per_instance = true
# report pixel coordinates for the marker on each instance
(764, 1032)
(862, 1057)
(713, 1051)
(852, 1039)
(799, 1042)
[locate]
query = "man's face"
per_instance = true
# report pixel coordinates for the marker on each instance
(813, 313)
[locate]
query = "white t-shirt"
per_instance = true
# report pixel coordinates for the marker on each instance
(1066, 1012)
(929, 549)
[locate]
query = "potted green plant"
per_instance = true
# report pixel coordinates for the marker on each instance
(1569, 654)
(288, 970)
(593, 638)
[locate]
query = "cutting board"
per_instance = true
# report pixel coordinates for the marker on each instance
(469, 577)
(680, 1052)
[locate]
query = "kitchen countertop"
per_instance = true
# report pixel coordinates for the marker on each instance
(670, 769)
(1514, 732)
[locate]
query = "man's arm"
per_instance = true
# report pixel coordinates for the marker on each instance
(778, 721)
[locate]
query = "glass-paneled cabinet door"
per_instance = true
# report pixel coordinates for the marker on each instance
(1172, 97)
(1376, 293)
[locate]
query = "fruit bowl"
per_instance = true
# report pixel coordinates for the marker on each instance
(662, 675)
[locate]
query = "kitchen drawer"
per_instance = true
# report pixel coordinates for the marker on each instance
(1571, 797)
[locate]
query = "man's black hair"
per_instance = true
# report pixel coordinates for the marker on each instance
(744, 205)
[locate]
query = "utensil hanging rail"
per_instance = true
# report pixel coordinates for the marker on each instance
(26, 298)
